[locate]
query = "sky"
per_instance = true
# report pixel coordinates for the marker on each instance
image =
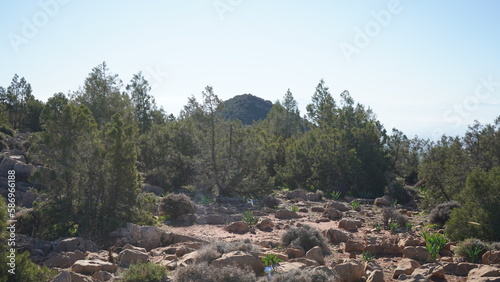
(424, 67)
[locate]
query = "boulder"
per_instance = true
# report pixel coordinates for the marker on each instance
(73, 244)
(491, 257)
(332, 213)
(158, 191)
(92, 266)
(295, 252)
(382, 245)
(383, 201)
(128, 257)
(102, 276)
(405, 266)
(240, 259)
(464, 268)
(337, 205)
(77, 277)
(132, 247)
(265, 225)
(419, 253)
(349, 225)
(350, 271)
(286, 214)
(412, 278)
(63, 276)
(336, 236)
(354, 246)
(484, 271)
(296, 194)
(291, 266)
(314, 197)
(317, 209)
(307, 261)
(215, 219)
(238, 227)
(432, 271)
(316, 254)
(151, 237)
(23, 171)
(7, 164)
(186, 219)
(376, 276)
(63, 260)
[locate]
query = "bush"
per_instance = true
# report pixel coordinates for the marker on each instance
(471, 249)
(203, 272)
(249, 218)
(391, 217)
(441, 213)
(175, 205)
(270, 202)
(299, 275)
(215, 250)
(305, 237)
(397, 191)
(434, 242)
(145, 272)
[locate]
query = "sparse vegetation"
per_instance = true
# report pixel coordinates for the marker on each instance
(203, 272)
(471, 249)
(271, 260)
(176, 205)
(367, 256)
(355, 205)
(392, 217)
(145, 272)
(335, 195)
(442, 212)
(299, 275)
(434, 242)
(249, 218)
(294, 208)
(306, 237)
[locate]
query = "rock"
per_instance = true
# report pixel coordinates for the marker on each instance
(92, 266)
(411, 241)
(332, 213)
(296, 194)
(265, 225)
(491, 257)
(383, 201)
(432, 271)
(158, 191)
(23, 171)
(349, 225)
(127, 257)
(307, 261)
(102, 275)
(336, 236)
(238, 227)
(63, 276)
(385, 245)
(412, 278)
(63, 260)
(295, 251)
(405, 266)
(286, 214)
(316, 254)
(132, 247)
(350, 271)
(188, 258)
(464, 268)
(303, 210)
(419, 253)
(354, 246)
(73, 244)
(291, 266)
(317, 209)
(376, 276)
(151, 237)
(7, 164)
(484, 271)
(241, 260)
(186, 219)
(77, 277)
(215, 219)
(337, 205)
(314, 197)
(28, 198)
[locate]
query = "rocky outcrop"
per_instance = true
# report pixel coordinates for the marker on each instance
(89, 267)
(336, 236)
(316, 254)
(241, 260)
(332, 213)
(129, 256)
(350, 271)
(418, 253)
(405, 266)
(64, 259)
(286, 214)
(238, 227)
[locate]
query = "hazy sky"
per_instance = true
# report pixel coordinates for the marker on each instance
(424, 67)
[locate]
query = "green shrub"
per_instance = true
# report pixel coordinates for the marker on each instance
(299, 275)
(335, 195)
(176, 205)
(249, 218)
(294, 208)
(393, 226)
(145, 272)
(471, 249)
(355, 205)
(305, 237)
(197, 272)
(271, 260)
(409, 226)
(434, 242)
(441, 213)
(367, 256)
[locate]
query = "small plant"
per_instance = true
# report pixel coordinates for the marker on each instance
(204, 200)
(271, 260)
(147, 272)
(377, 227)
(434, 243)
(393, 226)
(395, 203)
(355, 205)
(294, 208)
(472, 249)
(306, 237)
(367, 256)
(335, 195)
(249, 218)
(409, 226)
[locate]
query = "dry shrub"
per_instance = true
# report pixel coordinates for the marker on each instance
(442, 212)
(203, 272)
(391, 215)
(175, 205)
(305, 237)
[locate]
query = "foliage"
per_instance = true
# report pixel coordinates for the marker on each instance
(434, 243)
(294, 208)
(441, 213)
(203, 272)
(144, 104)
(367, 256)
(335, 195)
(393, 217)
(271, 260)
(305, 237)
(176, 205)
(393, 226)
(479, 216)
(396, 190)
(299, 275)
(249, 218)
(471, 249)
(409, 226)
(145, 272)
(355, 205)
(247, 108)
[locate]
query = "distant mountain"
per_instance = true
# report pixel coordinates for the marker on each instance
(247, 108)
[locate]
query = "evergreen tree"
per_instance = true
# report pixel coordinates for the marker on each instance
(143, 103)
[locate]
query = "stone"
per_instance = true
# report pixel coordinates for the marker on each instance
(151, 237)
(484, 271)
(63, 260)
(92, 266)
(295, 252)
(238, 227)
(291, 266)
(63, 276)
(464, 268)
(317, 209)
(296, 194)
(432, 271)
(240, 259)
(286, 214)
(382, 245)
(307, 261)
(412, 278)
(213, 219)
(132, 247)
(383, 201)
(73, 244)
(102, 275)
(336, 236)
(418, 253)
(128, 257)
(349, 225)
(316, 254)
(337, 205)
(332, 213)
(350, 271)
(376, 276)
(7, 164)
(265, 225)
(158, 191)
(405, 266)
(354, 246)
(314, 197)
(491, 257)
(77, 277)
(411, 241)
(23, 171)
(186, 219)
